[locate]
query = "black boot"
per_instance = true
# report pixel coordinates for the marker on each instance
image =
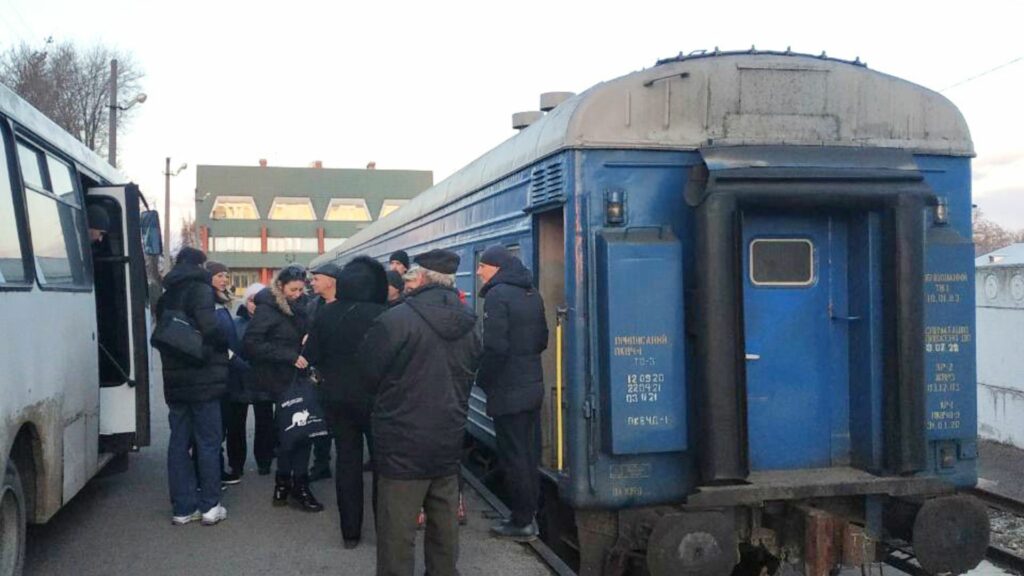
(282, 487)
(303, 497)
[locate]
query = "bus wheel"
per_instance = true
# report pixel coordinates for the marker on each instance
(12, 523)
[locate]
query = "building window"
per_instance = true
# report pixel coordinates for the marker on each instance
(242, 279)
(292, 245)
(285, 208)
(235, 244)
(390, 206)
(332, 243)
(348, 210)
(234, 208)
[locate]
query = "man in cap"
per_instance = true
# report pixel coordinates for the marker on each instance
(421, 358)
(515, 334)
(399, 261)
(325, 291)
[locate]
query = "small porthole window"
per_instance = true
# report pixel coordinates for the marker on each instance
(781, 262)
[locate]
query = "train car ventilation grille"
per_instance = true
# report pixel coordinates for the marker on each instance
(547, 185)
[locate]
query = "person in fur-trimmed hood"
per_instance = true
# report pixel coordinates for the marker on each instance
(333, 347)
(273, 347)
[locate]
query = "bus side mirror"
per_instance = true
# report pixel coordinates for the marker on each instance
(152, 242)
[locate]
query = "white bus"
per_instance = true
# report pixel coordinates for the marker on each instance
(75, 362)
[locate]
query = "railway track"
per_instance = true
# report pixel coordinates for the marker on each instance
(999, 555)
(556, 564)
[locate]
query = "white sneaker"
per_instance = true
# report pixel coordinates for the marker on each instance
(214, 515)
(182, 520)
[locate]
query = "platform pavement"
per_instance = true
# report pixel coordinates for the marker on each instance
(1001, 469)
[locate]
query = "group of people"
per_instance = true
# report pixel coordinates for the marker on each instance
(396, 352)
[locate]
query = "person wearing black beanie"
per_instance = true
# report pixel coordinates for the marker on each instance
(515, 334)
(399, 261)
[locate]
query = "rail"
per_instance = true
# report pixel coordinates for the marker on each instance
(999, 555)
(555, 563)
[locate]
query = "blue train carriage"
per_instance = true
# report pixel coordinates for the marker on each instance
(759, 264)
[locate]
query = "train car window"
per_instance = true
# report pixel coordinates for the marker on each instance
(12, 260)
(781, 262)
(55, 221)
(31, 172)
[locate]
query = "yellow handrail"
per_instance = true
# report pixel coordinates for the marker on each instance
(558, 391)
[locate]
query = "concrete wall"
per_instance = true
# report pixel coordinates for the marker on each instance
(1000, 332)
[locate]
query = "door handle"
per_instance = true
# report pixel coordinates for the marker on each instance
(753, 356)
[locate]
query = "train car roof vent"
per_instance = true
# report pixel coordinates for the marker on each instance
(549, 100)
(521, 120)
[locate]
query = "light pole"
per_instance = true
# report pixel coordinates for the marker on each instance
(167, 206)
(112, 116)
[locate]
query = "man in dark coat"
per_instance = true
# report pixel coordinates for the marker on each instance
(515, 334)
(420, 358)
(193, 392)
(325, 290)
(264, 436)
(333, 347)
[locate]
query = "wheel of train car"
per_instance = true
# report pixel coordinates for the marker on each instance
(693, 543)
(951, 534)
(12, 523)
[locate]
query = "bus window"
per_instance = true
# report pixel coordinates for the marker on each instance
(55, 221)
(12, 262)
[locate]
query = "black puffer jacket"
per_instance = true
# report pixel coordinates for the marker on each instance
(339, 329)
(188, 289)
(421, 357)
(273, 340)
(515, 334)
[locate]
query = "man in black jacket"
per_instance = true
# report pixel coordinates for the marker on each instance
(193, 392)
(325, 291)
(421, 357)
(333, 347)
(515, 334)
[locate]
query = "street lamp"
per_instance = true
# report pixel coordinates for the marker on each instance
(167, 206)
(112, 117)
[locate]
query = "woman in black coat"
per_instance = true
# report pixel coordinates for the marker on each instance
(273, 347)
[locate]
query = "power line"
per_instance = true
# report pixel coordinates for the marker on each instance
(985, 73)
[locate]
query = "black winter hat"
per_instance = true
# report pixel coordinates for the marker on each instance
(400, 256)
(327, 269)
(497, 255)
(395, 280)
(190, 255)
(215, 268)
(438, 260)
(363, 280)
(98, 218)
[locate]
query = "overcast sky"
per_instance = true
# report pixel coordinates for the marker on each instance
(432, 85)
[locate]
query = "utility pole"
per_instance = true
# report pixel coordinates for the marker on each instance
(167, 211)
(112, 116)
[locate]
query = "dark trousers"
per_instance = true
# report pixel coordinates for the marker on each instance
(350, 425)
(194, 424)
(294, 462)
(235, 416)
(518, 438)
(322, 454)
(400, 502)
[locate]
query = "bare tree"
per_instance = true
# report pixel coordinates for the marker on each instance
(189, 233)
(71, 85)
(989, 236)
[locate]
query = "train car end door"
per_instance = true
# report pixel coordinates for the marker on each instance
(122, 321)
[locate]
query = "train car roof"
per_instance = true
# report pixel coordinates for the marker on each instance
(26, 115)
(720, 99)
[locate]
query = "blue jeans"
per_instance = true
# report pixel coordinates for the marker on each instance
(200, 421)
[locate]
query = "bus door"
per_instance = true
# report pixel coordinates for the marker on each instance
(794, 289)
(123, 318)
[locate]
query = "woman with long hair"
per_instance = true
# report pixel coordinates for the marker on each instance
(273, 346)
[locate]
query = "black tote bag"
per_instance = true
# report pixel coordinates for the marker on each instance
(174, 334)
(299, 414)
